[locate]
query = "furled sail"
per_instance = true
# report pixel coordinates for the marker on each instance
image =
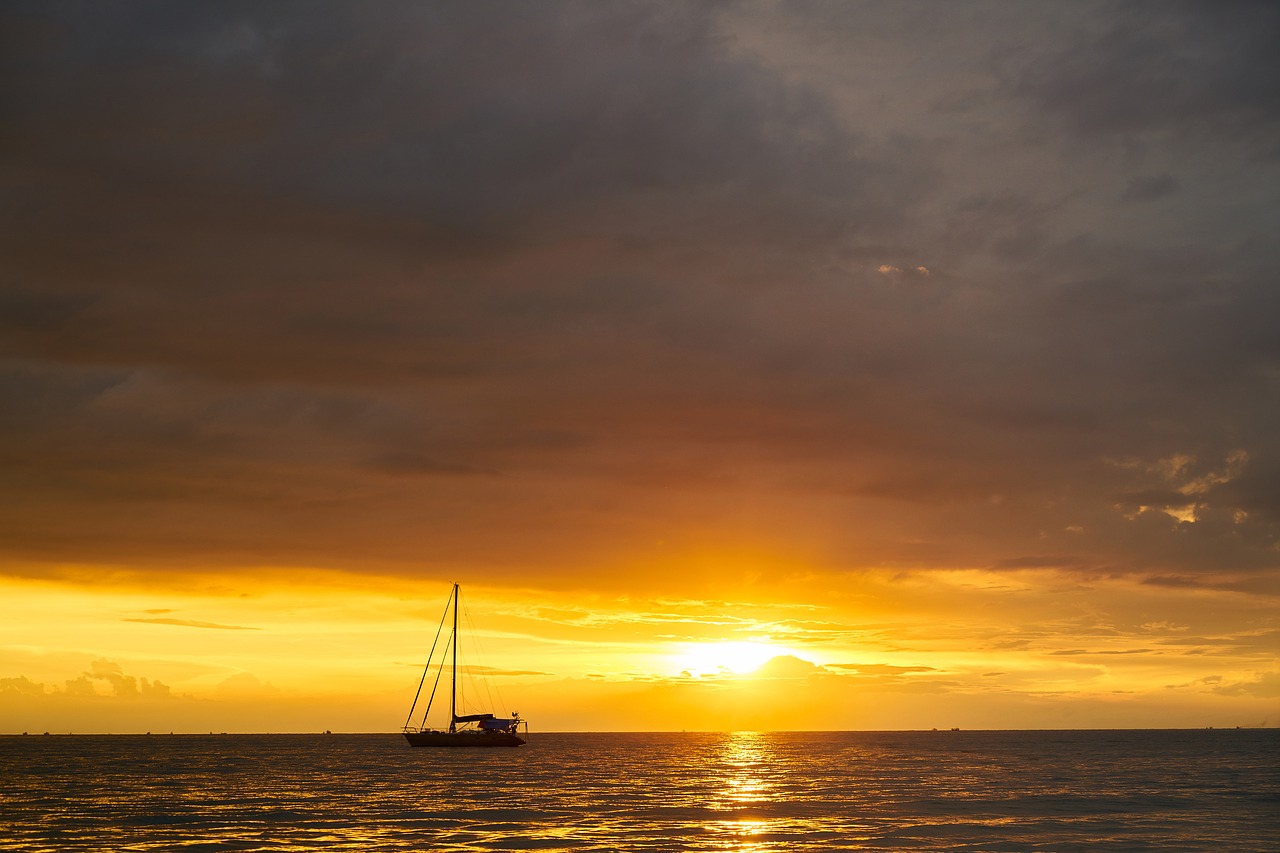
(471, 718)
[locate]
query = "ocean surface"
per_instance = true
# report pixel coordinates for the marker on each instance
(1211, 790)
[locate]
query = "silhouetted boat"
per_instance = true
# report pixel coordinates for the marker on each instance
(465, 730)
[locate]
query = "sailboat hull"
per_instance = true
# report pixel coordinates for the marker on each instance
(463, 739)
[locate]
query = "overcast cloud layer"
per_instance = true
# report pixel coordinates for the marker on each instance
(577, 290)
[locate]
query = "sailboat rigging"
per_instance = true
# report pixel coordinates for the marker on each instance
(488, 731)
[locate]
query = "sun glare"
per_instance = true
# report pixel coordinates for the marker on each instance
(716, 658)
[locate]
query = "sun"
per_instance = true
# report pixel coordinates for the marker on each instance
(739, 657)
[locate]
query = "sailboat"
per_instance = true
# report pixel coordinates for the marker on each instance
(481, 730)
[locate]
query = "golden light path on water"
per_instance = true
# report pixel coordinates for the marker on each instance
(746, 792)
(745, 779)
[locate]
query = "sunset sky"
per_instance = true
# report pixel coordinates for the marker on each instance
(824, 365)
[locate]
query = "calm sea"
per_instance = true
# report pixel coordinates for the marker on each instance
(1214, 790)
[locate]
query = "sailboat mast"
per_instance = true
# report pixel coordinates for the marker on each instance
(453, 689)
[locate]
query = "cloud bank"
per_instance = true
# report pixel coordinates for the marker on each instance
(619, 291)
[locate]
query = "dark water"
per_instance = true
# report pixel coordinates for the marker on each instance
(1154, 790)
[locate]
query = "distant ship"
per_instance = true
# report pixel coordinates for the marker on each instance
(488, 730)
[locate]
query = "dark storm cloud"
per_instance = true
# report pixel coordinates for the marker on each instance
(1202, 68)
(324, 283)
(477, 116)
(247, 169)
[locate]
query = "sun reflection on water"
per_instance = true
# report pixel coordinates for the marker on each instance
(704, 792)
(740, 835)
(746, 775)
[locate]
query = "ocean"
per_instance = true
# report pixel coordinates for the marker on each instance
(1210, 790)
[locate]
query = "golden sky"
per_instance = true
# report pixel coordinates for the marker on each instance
(820, 366)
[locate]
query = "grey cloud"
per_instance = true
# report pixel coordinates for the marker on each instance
(479, 117)
(297, 277)
(27, 311)
(1150, 188)
(408, 463)
(1161, 67)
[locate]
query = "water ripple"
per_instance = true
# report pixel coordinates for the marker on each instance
(744, 791)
